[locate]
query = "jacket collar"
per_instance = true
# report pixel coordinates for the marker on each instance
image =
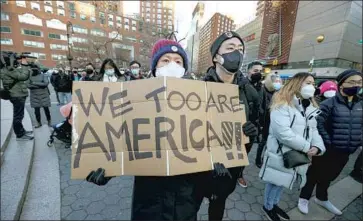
(344, 100)
(309, 109)
(213, 76)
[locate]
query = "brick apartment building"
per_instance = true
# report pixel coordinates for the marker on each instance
(100, 30)
(211, 30)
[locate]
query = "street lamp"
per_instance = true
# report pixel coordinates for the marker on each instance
(319, 40)
(69, 32)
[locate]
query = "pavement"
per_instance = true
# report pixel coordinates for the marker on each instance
(81, 200)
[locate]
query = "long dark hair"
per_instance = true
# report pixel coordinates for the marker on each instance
(112, 63)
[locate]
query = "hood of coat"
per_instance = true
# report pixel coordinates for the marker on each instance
(310, 110)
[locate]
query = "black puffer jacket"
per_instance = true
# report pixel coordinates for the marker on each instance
(340, 123)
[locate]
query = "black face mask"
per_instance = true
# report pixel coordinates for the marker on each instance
(256, 77)
(351, 91)
(89, 71)
(232, 61)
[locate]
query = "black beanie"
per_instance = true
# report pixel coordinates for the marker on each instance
(346, 74)
(225, 36)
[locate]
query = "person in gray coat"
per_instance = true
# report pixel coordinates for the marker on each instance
(293, 126)
(39, 95)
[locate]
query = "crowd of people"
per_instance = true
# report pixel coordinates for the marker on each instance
(306, 133)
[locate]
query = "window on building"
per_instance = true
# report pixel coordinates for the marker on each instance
(110, 17)
(159, 16)
(148, 4)
(170, 27)
(83, 17)
(118, 25)
(79, 40)
(115, 35)
(71, 6)
(32, 32)
(147, 20)
(5, 29)
(47, 2)
(160, 5)
(4, 16)
(110, 24)
(58, 47)
(35, 6)
(93, 19)
(48, 9)
(40, 56)
(6, 41)
(34, 44)
(61, 12)
(102, 15)
(159, 22)
(159, 11)
(60, 4)
(30, 19)
(58, 57)
(170, 23)
(127, 27)
(133, 28)
(21, 3)
(79, 29)
(57, 36)
(3, 2)
(118, 19)
(73, 14)
(56, 24)
(134, 23)
(126, 21)
(97, 32)
(147, 15)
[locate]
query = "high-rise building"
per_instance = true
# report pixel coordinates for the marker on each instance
(217, 25)
(193, 36)
(40, 27)
(115, 7)
(159, 14)
(260, 8)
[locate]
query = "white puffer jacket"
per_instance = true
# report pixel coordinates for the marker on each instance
(301, 136)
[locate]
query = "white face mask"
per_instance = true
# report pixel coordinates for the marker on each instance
(329, 94)
(170, 70)
(307, 91)
(110, 72)
(277, 86)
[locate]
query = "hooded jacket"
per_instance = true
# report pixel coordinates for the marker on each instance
(294, 129)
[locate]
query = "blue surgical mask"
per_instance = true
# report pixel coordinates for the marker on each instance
(110, 72)
(135, 71)
(277, 86)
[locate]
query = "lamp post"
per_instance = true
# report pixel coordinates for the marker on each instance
(69, 32)
(319, 39)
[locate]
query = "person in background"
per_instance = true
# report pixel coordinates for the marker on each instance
(254, 76)
(53, 79)
(227, 54)
(158, 197)
(293, 109)
(340, 125)
(272, 84)
(110, 73)
(39, 95)
(75, 74)
(64, 86)
(14, 79)
(328, 89)
(91, 74)
(135, 73)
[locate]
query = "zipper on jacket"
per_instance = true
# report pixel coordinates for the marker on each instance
(350, 125)
(264, 169)
(292, 180)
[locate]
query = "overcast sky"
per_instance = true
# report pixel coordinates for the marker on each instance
(241, 11)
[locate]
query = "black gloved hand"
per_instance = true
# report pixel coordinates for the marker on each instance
(98, 177)
(220, 170)
(249, 129)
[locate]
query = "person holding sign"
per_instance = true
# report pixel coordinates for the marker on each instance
(162, 197)
(227, 53)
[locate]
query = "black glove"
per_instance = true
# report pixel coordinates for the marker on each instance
(249, 129)
(98, 177)
(220, 170)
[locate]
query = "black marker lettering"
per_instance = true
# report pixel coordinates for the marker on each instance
(86, 110)
(123, 129)
(198, 98)
(235, 105)
(222, 102)
(82, 146)
(182, 99)
(168, 134)
(214, 135)
(198, 145)
(183, 133)
(137, 137)
(156, 98)
(117, 97)
(211, 103)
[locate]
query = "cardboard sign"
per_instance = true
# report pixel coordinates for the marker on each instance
(156, 127)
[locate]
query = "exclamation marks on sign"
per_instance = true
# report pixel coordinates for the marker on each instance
(227, 133)
(238, 136)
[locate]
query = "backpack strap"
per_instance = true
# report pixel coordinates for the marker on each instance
(69, 115)
(280, 145)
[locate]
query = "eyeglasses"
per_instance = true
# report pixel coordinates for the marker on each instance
(354, 83)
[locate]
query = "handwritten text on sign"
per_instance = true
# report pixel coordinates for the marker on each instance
(158, 127)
